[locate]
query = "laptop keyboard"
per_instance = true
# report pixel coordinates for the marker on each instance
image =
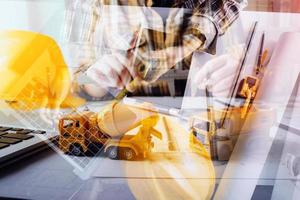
(10, 136)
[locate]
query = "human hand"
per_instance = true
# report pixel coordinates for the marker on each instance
(113, 70)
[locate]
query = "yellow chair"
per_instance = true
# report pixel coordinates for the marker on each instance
(33, 72)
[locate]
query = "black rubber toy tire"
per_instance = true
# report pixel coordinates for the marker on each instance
(113, 153)
(128, 154)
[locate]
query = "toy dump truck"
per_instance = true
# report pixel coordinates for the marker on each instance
(123, 132)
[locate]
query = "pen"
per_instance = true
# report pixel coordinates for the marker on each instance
(119, 95)
(165, 110)
(133, 84)
(262, 55)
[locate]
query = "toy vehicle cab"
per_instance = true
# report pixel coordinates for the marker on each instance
(79, 132)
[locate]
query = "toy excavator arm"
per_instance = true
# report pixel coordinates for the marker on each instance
(156, 133)
(135, 125)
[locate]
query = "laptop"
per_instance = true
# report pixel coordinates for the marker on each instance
(30, 65)
(23, 134)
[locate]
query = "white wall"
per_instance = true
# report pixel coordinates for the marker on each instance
(43, 16)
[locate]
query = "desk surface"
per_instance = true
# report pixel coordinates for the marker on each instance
(48, 176)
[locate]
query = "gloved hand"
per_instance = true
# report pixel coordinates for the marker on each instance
(219, 73)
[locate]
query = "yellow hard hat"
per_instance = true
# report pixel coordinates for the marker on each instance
(116, 119)
(33, 70)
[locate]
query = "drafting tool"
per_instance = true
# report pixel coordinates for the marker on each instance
(241, 66)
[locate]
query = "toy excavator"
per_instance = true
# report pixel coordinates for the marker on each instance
(122, 132)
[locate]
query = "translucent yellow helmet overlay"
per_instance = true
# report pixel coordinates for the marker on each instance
(33, 72)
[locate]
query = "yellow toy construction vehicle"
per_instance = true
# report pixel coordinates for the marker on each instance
(208, 136)
(207, 133)
(123, 132)
(215, 132)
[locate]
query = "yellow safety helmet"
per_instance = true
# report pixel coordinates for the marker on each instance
(33, 72)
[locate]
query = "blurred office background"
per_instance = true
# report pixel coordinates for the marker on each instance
(274, 5)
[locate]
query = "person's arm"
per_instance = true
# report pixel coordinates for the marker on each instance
(210, 19)
(220, 71)
(199, 32)
(220, 13)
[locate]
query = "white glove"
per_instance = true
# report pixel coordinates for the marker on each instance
(219, 73)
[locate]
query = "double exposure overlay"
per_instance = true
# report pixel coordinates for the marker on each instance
(149, 99)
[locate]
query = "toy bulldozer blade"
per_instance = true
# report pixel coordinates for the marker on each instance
(33, 72)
